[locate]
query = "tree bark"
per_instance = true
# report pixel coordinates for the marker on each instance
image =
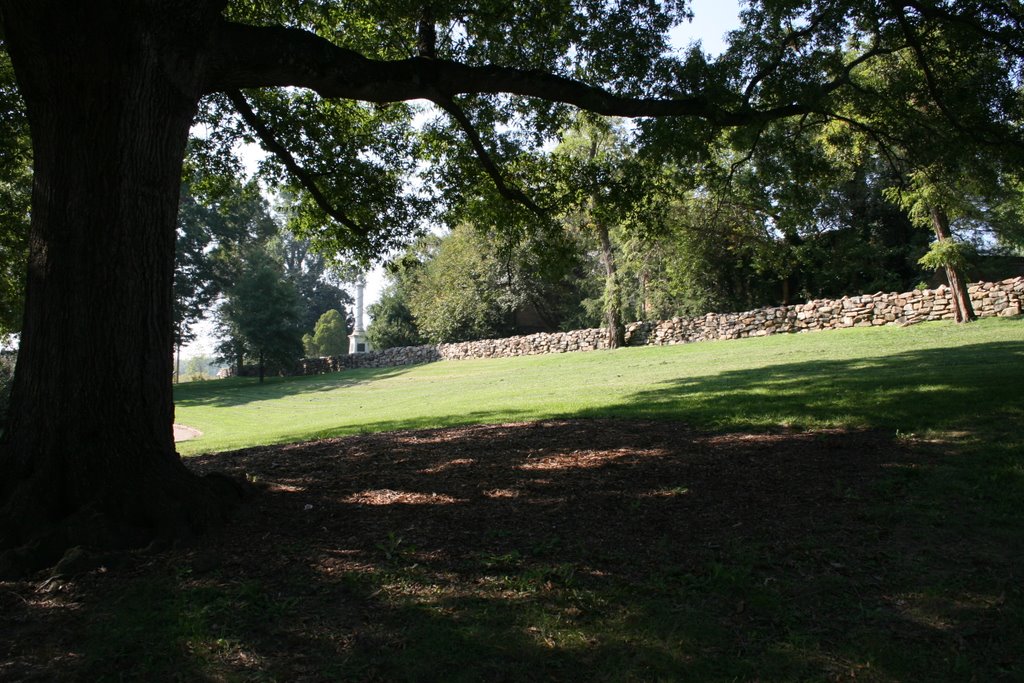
(963, 309)
(88, 457)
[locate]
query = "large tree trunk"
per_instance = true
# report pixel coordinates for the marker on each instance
(88, 457)
(963, 309)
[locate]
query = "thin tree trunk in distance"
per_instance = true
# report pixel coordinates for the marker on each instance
(612, 293)
(963, 309)
(645, 304)
(614, 328)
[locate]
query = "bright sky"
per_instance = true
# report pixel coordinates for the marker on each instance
(711, 21)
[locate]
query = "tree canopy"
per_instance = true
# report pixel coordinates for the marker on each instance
(351, 162)
(217, 219)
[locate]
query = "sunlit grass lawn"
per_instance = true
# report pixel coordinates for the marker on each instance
(936, 376)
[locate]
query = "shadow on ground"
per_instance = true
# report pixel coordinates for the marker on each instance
(947, 388)
(241, 390)
(564, 550)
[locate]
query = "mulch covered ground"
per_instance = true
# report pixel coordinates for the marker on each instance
(610, 500)
(614, 486)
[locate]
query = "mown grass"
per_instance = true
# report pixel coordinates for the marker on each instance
(916, 577)
(935, 376)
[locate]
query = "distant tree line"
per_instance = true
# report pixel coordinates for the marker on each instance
(270, 294)
(796, 217)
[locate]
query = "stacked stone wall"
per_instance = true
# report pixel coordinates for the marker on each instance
(403, 355)
(867, 310)
(529, 345)
(1004, 298)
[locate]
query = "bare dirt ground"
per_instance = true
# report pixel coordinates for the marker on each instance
(442, 513)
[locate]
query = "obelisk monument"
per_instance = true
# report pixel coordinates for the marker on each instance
(358, 343)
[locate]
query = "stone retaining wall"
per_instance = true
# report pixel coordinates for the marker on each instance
(403, 355)
(1004, 298)
(868, 310)
(529, 345)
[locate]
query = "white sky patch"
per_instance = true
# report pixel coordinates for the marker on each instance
(712, 20)
(251, 155)
(205, 342)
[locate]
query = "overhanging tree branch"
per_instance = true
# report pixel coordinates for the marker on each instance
(254, 57)
(888, 150)
(1010, 37)
(926, 69)
(271, 143)
(507, 191)
(792, 41)
(735, 166)
(935, 89)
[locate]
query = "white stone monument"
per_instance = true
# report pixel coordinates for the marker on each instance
(358, 343)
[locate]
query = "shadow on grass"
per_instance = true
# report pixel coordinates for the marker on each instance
(426, 422)
(963, 388)
(241, 390)
(581, 550)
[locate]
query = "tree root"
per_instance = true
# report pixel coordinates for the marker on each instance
(155, 514)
